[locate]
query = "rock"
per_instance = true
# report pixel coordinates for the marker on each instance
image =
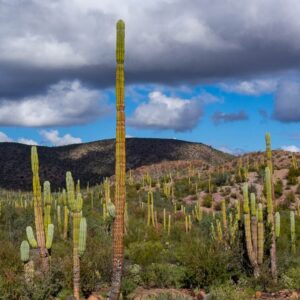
(295, 295)
(258, 294)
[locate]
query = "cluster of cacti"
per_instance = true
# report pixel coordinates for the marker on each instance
(294, 161)
(38, 211)
(188, 223)
(254, 230)
(168, 189)
(197, 212)
(226, 229)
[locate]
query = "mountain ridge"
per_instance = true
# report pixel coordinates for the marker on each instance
(92, 161)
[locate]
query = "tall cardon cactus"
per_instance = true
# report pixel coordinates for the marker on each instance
(120, 167)
(38, 210)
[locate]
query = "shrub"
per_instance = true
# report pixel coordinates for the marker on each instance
(164, 275)
(145, 253)
(207, 201)
(229, 291)
(278, 188)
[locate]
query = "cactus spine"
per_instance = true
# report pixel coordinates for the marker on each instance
(38, 210)
(120, 167)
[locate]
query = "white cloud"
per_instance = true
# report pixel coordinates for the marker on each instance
(27, 141)
(252, 88)
(291, 148)
(65, 103)
(233, 151)
(53, 137)
(4, 137)
(48, 51)
(163, 112)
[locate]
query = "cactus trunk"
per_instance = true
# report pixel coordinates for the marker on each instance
(120, 168)
(38, 211)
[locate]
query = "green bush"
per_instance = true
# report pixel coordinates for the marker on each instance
(145, 253)
(229, 291)
(278, 188)
(207, 200)
(164, 275)
(291, 278)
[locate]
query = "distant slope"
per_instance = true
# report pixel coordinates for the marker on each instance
(90, 162)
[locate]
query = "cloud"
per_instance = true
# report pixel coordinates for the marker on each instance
(27, 141)
(234, 151)
(287, 102)
(5, 138)
(219, 117)
(291, 148)
(167, 42)
(163, 112)
(65, 103)
(52, 136)
(252, 88)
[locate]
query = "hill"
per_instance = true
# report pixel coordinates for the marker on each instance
(90, 162)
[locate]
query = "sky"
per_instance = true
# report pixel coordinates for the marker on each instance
(221, 73)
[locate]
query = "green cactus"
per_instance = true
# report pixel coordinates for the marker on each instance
(24, 251)
(169, 224)
(269, 152)
(249, 228)
(66, 214)
(47, 205)
(49, 236)
(224, 216)
(270, 197)
(59, 223)
(150, 216)
(277, 224)
(38, 210)
(75, 204)
(82, 236)
(294, 161)
(260, 235)
(30, 236)
(268, 184)
(253, 223)
(293, 231)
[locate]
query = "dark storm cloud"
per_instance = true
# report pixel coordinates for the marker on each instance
(167, 42)
(287, 102)
(219, 117)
